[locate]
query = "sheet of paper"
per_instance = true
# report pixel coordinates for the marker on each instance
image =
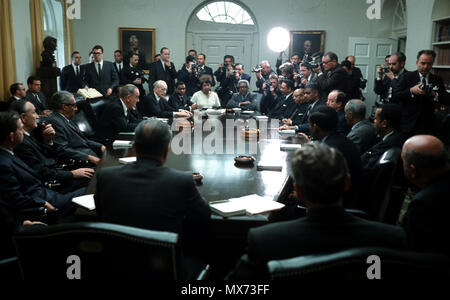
(127, 160)
(86, 201)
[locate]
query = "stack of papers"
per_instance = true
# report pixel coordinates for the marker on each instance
(290, 147)
(118, 144)
(247, 205)
(86, 201)
(261, 117)
(127, 160)
(89, 94)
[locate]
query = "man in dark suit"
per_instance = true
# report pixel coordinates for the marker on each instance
(224, 76)
(425, 164)
(155, 105)
(281, 107)
(71, 79)
(323, 127)
(133, 74)
(117, 116)
(334, 78)
(300, 109)
(148, 195)
(100, 74)
(203, 70)
(245, 99)
(385, 85)
(263, 75)
(321, 177)
(119, 65)
(42, 156)
(20, 186)
(35, 96)
(179, 99)
(240, 75)
(356, 80)
(307, 75)
(312, 97)
(418, 94)
(164, 70)
(387, 124)
(337, 100)
(190, 75)
(17, 91)
(362, 132)
(69, 140)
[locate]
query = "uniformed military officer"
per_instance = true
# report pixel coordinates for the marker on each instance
(132, 74)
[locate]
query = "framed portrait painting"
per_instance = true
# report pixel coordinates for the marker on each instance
(307, 42)
(140, 41)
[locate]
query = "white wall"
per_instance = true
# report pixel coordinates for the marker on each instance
(22, 39)
(100, 20)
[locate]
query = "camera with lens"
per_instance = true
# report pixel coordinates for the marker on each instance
(429, 88)
(257, 69)
(268, 86)
(385, 69)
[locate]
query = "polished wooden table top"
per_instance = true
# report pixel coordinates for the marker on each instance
(222, 178)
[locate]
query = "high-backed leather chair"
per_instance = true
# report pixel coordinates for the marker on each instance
(104, 251)
(380, 186)
(353, 264)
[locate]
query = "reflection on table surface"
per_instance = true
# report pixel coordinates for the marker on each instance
(222, 177)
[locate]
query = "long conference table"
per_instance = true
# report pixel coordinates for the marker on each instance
(222, 178)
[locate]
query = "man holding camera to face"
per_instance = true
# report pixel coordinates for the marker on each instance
(419, 93)
(262, 72)
(334, 77)
(388, 76)
(226, 76)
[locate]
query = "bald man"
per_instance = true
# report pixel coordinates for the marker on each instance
(425, 163)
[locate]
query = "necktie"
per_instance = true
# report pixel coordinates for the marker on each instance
(424, 81)
(99, 70)
(37, 98)
(78, 71)
(120, 68)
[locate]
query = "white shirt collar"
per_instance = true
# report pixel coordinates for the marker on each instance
(387, 135)
(68, 121)
(7, 150)
(26, 133)
(125, 108)
(75, 67)
(156, 97)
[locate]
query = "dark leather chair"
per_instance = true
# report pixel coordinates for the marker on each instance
(9, 269)
(382, 178)
(83, 123)
(105, 251)
(353, 264)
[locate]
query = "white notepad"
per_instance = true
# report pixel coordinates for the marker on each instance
(247, 205)
(290, 147)
(127, 160)
(122, 144)
(86, 201)
(269, 166)
(261, 117)
(286, 132)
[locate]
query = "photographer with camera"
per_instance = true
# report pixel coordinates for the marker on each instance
(356, 80)
(307, 76)
(335, 77)
(281, 107)
(419, 93)
(295, 60)
(262, 72)
(388, 77)
(189, 74)
(132, 74)
(226, 76)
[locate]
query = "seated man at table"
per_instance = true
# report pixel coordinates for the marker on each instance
(69, 140)
(117, 116)
(41, 155)
(155, 105)
(148, 195)
(425, 163)
(244, 99)
(321, 177)
(20, 186)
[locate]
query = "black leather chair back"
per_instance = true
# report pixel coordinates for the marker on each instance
(105, 251)
(83, 123)
(353, 264)
(380, 187)
(98, 106)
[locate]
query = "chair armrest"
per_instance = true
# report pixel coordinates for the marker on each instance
(204, 274)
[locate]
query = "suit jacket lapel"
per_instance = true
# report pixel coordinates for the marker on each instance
(18, 162)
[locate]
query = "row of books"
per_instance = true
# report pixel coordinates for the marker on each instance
(443, 32)
(443, 57)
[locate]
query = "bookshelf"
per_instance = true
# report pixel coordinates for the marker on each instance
(441, 45)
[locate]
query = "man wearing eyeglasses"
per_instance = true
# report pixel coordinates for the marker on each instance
(244, 99)
(100, 74)
(69, 140)
(334, 77)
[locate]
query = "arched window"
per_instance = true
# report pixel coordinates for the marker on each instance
(54, 26)
(400, 19)
(225, 12)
